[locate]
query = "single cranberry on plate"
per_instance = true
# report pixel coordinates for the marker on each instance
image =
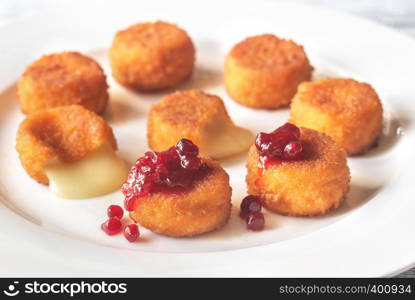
(250, 204)
(115, 211)
(131, 232)
(255, 221)
(112, 226)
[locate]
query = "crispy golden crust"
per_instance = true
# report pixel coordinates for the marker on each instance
(67, 133)
(311, 186)
(350, 112)
(264, 71)
(63, 79)
(152, 56)
(205, 208)
(182, 114)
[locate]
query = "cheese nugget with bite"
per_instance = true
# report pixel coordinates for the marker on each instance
(72, 150)
(199, 117)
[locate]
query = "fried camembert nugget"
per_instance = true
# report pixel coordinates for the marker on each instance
(313, 183)
(152, 56)
(177, 192)
(264, 71)
(63, 79)
(66, 133)
(205, 207)
(199, 117)
(350, 112)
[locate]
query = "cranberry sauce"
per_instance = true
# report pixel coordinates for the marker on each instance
(171, 171)
(280, 145)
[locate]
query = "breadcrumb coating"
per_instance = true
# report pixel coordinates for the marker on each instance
(152, 56)
(185, 114)
(206, 207)
(311, 186)
(350, 112)
(264, 71)
(63, 79)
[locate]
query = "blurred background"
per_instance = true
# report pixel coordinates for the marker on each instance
(399, 14)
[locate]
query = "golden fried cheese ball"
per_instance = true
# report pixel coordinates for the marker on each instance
(152, 56)
(264, 71)
(199, 117)
(67, 133)
(63, 79)
(206, 207)
(350, 112)
(313, 185)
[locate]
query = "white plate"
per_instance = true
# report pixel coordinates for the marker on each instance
(370, 235)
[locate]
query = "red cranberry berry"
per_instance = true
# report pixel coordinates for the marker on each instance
(131, 232)
(190, 162)
(176, 168)
(255, 221)
(292, 150)
(186, 147)
(112, 226)
(282, 144)
(250, 204)
(115, 211)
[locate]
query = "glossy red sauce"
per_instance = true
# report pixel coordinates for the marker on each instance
(175, 170)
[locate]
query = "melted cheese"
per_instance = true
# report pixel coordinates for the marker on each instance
(98, 173)
(224, 139)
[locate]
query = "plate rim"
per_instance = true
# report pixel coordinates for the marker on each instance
(47, 236)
